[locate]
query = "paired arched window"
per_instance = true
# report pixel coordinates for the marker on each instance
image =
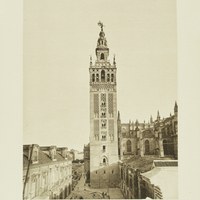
(128, 146)
(93, 77)
(108, 77)
(97, 77)
(147, 147)
(103, 76)
(112, 77)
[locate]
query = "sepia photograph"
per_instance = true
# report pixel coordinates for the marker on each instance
(100, 103)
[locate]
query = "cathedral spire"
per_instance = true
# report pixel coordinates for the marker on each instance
(158, 116)
(175, 107)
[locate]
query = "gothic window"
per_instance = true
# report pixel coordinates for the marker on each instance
(97, 77)
(147, 147)
(128, 146)
(112, 77)
(104, 161)
(108, 77)
(103, 76)
(102, 56)
(168, 147)
(93, 78)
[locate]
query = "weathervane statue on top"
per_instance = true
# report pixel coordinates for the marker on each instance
(101, 25)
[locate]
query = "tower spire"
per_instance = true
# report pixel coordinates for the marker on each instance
(102, 51)
(101, 25)
(175, 107)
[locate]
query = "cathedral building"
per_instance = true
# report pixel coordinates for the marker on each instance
(158, 137)
(103, 117)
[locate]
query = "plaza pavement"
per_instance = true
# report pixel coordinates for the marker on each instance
(86, 192)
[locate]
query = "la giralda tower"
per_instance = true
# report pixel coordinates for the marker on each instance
(103, 117)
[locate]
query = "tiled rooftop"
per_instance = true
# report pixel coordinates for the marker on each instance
(43, 156)
(165, 163)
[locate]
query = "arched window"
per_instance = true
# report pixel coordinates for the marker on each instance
(112, 77)
(103, 76)
(108, 77)
(128, 146)
(105, 161)
(93, 77)
(168, 147)
(147, 147)
(97, 77)
(102, 56)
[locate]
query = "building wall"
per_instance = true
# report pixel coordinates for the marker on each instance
(128, 181)
(49, 175)
(49, 180)
(107, 176)
(161, 134)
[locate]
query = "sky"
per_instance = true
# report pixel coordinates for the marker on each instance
(59, 36)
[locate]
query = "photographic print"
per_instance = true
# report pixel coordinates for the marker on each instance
(100, 109)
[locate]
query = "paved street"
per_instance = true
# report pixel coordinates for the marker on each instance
(83, 191)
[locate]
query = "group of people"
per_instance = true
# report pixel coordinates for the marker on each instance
(105, 195)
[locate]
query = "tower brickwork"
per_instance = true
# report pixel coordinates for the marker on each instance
(103, 117)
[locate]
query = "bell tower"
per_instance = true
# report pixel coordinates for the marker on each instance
(103, 117)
